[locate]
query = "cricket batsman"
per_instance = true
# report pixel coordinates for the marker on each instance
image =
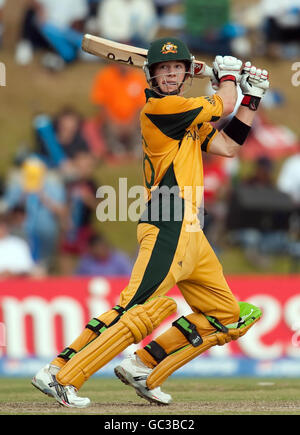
(173, 249)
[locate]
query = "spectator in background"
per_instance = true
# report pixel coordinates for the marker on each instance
(2, 2)
(263, 173)
(81, 203)
(289, 182)
(30, 37)
(281, 27)
(58, 23)
(15, 256)
(103, 260)
(42, 194)
(118, 92)
(210, 28)
(162, 5)
(289, 178)
(58, 140)
(131, 22)
(17, 216)
(204, 24)
(216, 190)
(259, 215)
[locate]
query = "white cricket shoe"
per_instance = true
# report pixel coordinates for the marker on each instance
(46, 382)
(132, 371)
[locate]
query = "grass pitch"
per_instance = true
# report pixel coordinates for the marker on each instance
(228, 396)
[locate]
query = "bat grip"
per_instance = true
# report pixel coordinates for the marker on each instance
(208, 72)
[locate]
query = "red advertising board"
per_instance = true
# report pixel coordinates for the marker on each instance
(40, 317)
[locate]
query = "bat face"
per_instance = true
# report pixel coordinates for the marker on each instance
(114, 51)
(127, 54)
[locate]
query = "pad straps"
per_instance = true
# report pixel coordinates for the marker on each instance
(67, 353)
(119, 310)
(217, 324)
(96, 325)
(156, 351)
(189, 330)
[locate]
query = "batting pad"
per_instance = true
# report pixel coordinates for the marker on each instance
(249, 315)
(133, 326)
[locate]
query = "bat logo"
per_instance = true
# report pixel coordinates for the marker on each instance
(112, 56)
(198, 69)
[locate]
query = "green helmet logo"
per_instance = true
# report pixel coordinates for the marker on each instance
(169, 47)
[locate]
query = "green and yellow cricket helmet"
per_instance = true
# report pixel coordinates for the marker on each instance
(166, 49)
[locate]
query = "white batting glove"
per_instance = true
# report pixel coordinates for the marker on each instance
(254, 81)
(254, 84)
(226, 68)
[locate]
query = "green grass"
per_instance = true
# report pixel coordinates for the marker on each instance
(225, 396)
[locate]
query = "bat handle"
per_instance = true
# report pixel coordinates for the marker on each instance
(202, 70)
(208, 72)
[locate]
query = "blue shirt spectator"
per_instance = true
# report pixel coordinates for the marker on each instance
(103, 260)
(42, 194)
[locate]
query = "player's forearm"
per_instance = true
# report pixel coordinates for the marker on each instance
(228, 142)
(229, 147)
(245, 115)
(228, 93)
(234, 141)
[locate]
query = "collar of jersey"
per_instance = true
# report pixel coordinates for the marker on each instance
(152, 94)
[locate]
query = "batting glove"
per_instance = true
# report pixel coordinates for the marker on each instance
(254, 84)
(226, 68)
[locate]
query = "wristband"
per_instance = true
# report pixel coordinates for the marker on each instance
(237, 130)
(228, 78)
(251, 102)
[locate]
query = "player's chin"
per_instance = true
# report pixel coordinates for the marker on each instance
(169, 89)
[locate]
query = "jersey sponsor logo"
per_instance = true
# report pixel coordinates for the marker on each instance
(211, 100)
(169, 47)
(192, 134)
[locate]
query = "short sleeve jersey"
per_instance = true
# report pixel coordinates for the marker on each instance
(175, 131)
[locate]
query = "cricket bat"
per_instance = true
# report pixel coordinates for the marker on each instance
(129, 55)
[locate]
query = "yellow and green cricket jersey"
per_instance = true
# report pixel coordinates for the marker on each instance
(175, 130)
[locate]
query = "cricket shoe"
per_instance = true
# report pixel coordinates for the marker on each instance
(46, 382)
(132, 371)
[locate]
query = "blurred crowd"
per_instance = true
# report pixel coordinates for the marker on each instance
(48, 197)
(218, 26)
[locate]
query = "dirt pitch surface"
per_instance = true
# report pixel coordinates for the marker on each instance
(238, 396)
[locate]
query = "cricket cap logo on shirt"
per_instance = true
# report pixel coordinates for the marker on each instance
(169, 47)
